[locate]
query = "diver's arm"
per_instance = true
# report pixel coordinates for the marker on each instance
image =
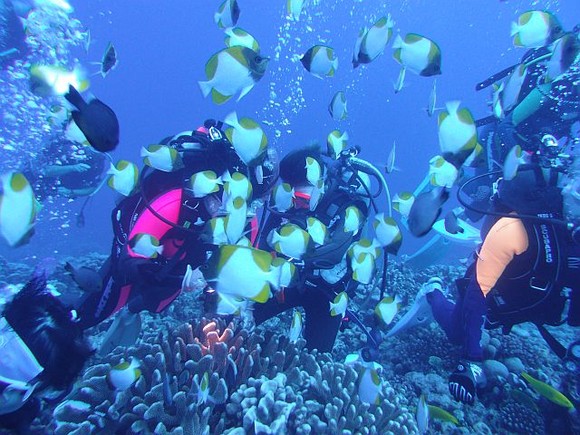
(83, 191)
(60, 170)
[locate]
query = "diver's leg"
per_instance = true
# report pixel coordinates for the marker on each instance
(320, 327)
(447, 315)
(473, 320)
(278, 304)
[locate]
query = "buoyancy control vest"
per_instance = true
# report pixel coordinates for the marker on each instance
(531, 287)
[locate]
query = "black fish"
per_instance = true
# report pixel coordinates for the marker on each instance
(96, 120)
(86, 278)
(109, 61)
(425, 210)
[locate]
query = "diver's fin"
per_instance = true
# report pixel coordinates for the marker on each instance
(420, 313)
(124, 331)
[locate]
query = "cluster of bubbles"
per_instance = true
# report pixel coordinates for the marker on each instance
(27, 118)
(28, 122)
(295, 37)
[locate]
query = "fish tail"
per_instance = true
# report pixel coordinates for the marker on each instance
(75, 98)
(205, 88)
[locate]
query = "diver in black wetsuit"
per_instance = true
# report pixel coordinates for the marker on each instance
(325, 272)
(42, 351)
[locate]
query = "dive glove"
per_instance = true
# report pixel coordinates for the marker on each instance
(464, 381)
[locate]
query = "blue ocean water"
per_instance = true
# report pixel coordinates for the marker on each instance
(163, 48)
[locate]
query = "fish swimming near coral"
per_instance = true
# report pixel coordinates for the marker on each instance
(548, 391)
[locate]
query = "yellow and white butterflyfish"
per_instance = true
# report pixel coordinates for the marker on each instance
(422, 415)
(74, 134)
(475, 158)
(387, 309)
(400, 83)
(432, 106)
(296, 327)
(290, 240)
(510, 91)
(235, 222)
(402, 202)
(370, 386)
(230, 305)
(353, 219)
(247, 137)
(18, 209)
(339, 305)
(390, 165)
(238, 37)
(162, 158)
(50, 80)
(336, 142)
(123, 177)
(232, 70)
(564, 54)
(145, 245)
(202, 386)
(363, 267)
(317, 230)
(320, 61)
(512, 162)
(244, 241)
(223, 268)
(457, 133)
(418, 54)
(356, 50)
(215, 231)
(316, 194)
(535, 29)
(282, 197)
(442, 173)
(496, 103)
(236, 185)
(294, 8)
(337, 107)
(375, 39)
(313, 170)
(387, 233)
(125, 374)
(228, 14)
(205, 182)
(364, 245)
(284, 273)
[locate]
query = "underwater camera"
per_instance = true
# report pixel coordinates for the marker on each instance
(551, 154)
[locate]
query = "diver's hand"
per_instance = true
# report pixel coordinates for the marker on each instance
(79, 167)
(192, 280)
(464, 380)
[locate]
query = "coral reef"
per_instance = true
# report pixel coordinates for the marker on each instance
(275, 387)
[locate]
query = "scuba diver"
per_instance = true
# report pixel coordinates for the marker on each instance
(323, 192)
(526, 270)
(42, 349)
(158, 230)
(66, 169)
